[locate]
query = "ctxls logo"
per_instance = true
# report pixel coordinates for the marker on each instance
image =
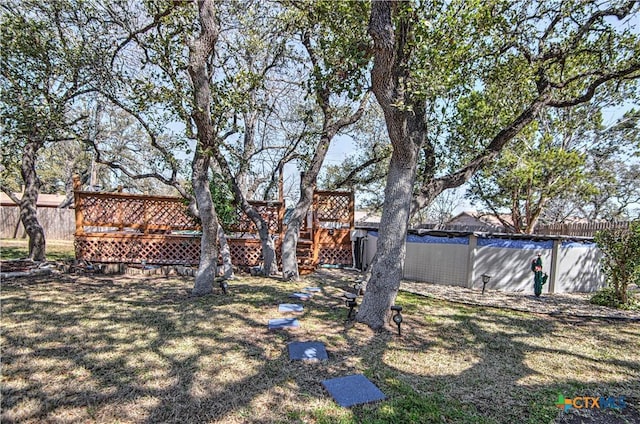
(589, 402)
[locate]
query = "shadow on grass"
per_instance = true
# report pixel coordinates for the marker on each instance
(143, 350)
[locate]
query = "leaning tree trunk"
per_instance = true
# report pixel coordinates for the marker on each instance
(386, 268)
(269, 265)
(28, 212)
(268, 245)
(307, 187)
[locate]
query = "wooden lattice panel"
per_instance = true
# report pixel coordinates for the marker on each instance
(270, 212)
(148, 216)
(245, 253)
(131, 211)
(334, 206)
(335, 255)
(125, 248)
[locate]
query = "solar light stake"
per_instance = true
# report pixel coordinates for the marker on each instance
(485, 280)
(224, 286)
(351, 303)
(397, 318)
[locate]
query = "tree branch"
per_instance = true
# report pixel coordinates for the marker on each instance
(152, 24)
(436, 186)
(590, 91)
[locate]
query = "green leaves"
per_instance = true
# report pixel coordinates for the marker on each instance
(621, 258)
(335, 37)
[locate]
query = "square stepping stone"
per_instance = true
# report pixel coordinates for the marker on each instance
(281, 323)
(352, 390)
(307, 351)
(290, 307)
(312, 289)
(301, 296)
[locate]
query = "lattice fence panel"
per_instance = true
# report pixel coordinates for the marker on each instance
(334, 207)
(335, 255)
(131, 211)
(245, 254)
(268, 211)
(172, 214)
(127, 249)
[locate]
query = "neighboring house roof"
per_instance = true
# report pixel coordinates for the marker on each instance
(473, 218)
(44, 200)
(364, 218)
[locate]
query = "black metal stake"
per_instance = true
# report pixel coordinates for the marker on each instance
(351, 303)
(397, 318)
(485, 280)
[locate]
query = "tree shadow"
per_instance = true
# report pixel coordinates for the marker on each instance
(144, 350)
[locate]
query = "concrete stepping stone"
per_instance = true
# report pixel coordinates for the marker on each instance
(307, 351)
(290, 307)
(301, 296)
(352, 390)
(282, 323)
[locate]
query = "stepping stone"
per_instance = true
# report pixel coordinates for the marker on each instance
(312, 289)
(352, 390)
(281, 323)
(301, 296)
(290, 307)
(307, 351)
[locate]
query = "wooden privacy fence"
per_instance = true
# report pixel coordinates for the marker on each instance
(128, 228)
(588, 229)
(58, 223)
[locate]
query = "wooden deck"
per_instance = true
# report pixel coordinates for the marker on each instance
(128, 228)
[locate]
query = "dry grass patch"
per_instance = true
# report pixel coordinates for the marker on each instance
(141, 349)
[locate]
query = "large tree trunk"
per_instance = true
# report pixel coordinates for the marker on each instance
(269, 260)
(28, 212)
(407, 131)
(200, 51)
(207, 268)
(386, 268)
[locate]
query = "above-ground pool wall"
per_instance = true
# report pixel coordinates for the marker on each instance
(441, 260)
(508, 262)
(578, 267)
(461, 260)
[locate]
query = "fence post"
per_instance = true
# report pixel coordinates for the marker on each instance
(555, 263)
(77, 205)
(471, 265)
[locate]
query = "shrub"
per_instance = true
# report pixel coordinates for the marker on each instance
(607, 297)
(620, 262)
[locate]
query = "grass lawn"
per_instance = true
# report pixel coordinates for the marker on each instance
(140, 349)
(56, 250)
